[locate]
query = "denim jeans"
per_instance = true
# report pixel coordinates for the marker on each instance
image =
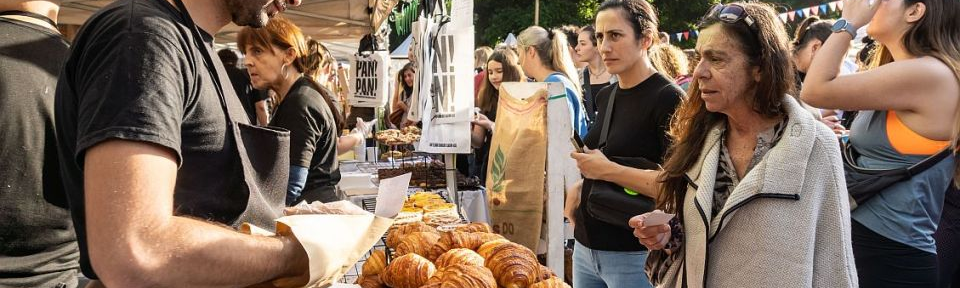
(613, 269)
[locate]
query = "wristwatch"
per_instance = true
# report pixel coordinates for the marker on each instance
(843, 25)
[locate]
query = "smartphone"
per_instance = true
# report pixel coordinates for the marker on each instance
(577, 142)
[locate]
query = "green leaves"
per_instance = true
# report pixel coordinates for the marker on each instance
(498, 170)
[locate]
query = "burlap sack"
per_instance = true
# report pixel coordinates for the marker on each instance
(517, 161)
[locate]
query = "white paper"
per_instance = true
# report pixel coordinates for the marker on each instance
(657, 218)
(392, 193)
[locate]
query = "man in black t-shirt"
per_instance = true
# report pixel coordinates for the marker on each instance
(38, 247)
(151, 167)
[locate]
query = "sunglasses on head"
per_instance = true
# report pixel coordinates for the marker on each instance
(731, 14)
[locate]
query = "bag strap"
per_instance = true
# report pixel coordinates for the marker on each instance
(605, 126)
(929, 162)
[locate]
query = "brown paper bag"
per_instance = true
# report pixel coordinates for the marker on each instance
(517, 162)
(334, 243)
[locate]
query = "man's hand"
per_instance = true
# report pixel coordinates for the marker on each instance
(484, 122)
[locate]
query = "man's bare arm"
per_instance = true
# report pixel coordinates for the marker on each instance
(134, 240)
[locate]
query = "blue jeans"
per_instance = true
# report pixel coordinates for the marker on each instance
(613, 269)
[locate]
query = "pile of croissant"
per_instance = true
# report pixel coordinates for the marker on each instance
(468, 257)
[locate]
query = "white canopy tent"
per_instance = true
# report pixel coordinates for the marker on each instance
(339, 24)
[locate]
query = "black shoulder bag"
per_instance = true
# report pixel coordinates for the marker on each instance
(607, 201)
(864, 183)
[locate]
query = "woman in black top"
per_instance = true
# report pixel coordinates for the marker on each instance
(502, 67)
(607, 254)
(276, 57)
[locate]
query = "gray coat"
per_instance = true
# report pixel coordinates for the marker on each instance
(787, 224)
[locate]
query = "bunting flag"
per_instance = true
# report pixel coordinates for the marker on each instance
(679, 36)
(839, 5)
(783, 17)
(814, 11)
(792, 16)
(696, 33)
(686, 35)
(800, 14)
(823, 8)
(833, 6)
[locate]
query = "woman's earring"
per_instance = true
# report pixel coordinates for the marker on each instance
(283, 71)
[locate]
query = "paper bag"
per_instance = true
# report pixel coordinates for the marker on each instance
(517, 163)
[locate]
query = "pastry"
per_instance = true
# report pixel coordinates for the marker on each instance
(371, 281)
(452, 240)
(514, 265)
(553, 282)
(408, 271)
(487, 247)
(417, 242)
(464, 276)
(375, 263)
(475, 227)
(397, 232)
(459, 256)
(545, 273)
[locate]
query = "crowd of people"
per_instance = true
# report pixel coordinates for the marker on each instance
(783, 162)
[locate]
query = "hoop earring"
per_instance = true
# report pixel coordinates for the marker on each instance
(283, 71)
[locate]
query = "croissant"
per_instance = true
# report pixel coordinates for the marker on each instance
(368, 281)
(485, 249)
(397, 232)
(545, 273)
(408, 271)
(464, 276)
(375, 263)
(459, 256)
(553, 282)
(417, 242)
(433, 285)
(475, 227)
(514, 265)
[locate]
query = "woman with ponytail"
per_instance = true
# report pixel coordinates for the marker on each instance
(277, 58)
(906, 103)
(545, 56)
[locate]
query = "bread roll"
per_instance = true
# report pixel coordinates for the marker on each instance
(417, 242)
(464, 276)
(408, 271)
(475, 227)
(375, 263)
(459, 256)
(514, 265)
(550, 283)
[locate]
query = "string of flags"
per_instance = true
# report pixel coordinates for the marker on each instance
(786, 17)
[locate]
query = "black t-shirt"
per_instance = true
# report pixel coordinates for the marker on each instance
(313, 135)
(638, 128)
(135, 73)
(38, 247)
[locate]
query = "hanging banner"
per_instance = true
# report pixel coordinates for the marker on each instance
(833, 6)
(783, 17)
(823, 9)
(370, 81)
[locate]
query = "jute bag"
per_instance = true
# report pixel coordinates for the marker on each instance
(517, 161)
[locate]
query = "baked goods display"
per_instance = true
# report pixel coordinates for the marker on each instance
(458, 256)
(427, 174)
(371, 281)
(424, 257)
(464, 276)
(408, 271)
(514, 265)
